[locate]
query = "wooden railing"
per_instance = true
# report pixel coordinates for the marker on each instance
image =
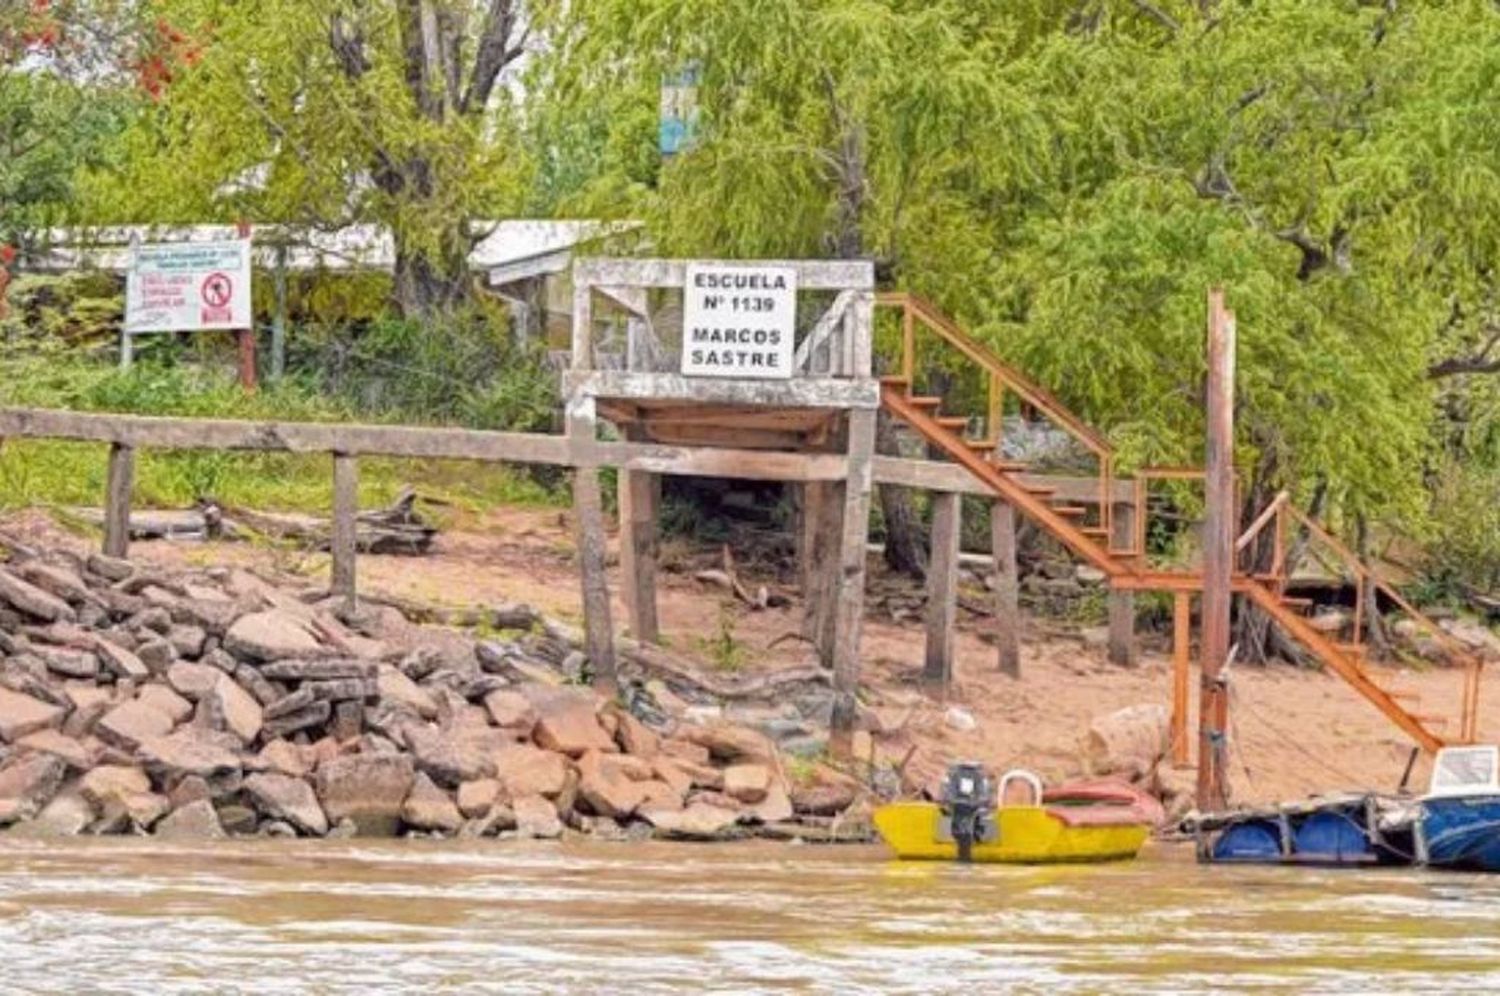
(1281, 516)
(1000, 378)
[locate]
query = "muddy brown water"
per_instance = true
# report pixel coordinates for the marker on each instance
(125, 916)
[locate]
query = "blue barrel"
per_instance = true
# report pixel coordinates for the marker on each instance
(1253, 840)
(1332, 835)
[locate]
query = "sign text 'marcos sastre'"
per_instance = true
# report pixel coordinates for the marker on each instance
(739, 321)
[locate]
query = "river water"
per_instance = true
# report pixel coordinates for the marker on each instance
(135, 916)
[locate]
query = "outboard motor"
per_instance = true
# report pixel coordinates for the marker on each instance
(969, 806)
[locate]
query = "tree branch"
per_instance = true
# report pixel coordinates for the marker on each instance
(1158, 15)
(1483, 361)
(494, 52)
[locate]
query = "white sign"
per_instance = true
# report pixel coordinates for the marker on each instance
(184, 286)
(739, 321)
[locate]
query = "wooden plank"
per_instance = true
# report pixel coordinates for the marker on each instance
(851, 584)
(942, 589)
(345, 515)
(859, 335)
(145, 431)
(934, 475)
(640, 500)
(812, 274)
(1182, 632)
(1122, 648)
(1007, 588)
(797, 392)
(694, 461)
(117, 492)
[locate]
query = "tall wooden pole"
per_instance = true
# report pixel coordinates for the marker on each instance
(246, 337)
(1218, 556)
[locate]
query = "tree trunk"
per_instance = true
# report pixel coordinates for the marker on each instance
(431, 274)
(904, 549)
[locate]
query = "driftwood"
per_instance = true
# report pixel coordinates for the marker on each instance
(397, 529)
(654, 659)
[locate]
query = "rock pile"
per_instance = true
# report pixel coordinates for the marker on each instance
(214, 703)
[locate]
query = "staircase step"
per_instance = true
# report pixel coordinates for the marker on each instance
(1071, 511)
(1353, 649)
(1098, 532)
(985, 446)
(1293, 601)
(1431, 720)
(1041, 490)
(895, 381)
(922, 401)
(1408, 694)
(953, 423)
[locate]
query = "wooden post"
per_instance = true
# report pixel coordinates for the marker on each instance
(639, 507)
(850, 608)
(1007, 588)
(1122, 603)
(1182, 634)
(588, 526)
(344, 545)
(942, 588)
(119, 482)
(822, 527)
(1218, 556)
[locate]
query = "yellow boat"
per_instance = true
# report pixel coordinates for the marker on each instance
(1075, 823)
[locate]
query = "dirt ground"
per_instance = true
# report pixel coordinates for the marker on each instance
(1294, 732)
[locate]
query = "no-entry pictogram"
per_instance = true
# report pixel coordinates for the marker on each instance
(217, 290)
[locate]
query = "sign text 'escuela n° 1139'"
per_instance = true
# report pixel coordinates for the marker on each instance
(739, 321)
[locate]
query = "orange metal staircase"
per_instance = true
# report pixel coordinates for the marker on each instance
(1126, 566)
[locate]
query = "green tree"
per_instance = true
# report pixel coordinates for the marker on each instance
(329, 113)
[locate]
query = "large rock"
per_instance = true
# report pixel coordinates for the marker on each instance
(455, 755)
(1128, 742)
(747, 782)
(335, 669)
(271, 636)
(512, 711)
(58, 581)
(65, 816)
(193, 681)
(634, 737)
(68, 662)
(22, 714)
(428, 807)
(75, 754)
(285, 798)
(190, 751)
(536, 817)
(112, 784)
(523, 769)
(121, 662)
(195, 820)
(699, 821)
(567, 721)
(235, 708)
(727, 743)
(475, 798)
(368, 789)
(393, 686)
(33, 601)
(164, 700)
(776, 807)
(606, 789)
(282, 757)
(27, 783)
(131, 723)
